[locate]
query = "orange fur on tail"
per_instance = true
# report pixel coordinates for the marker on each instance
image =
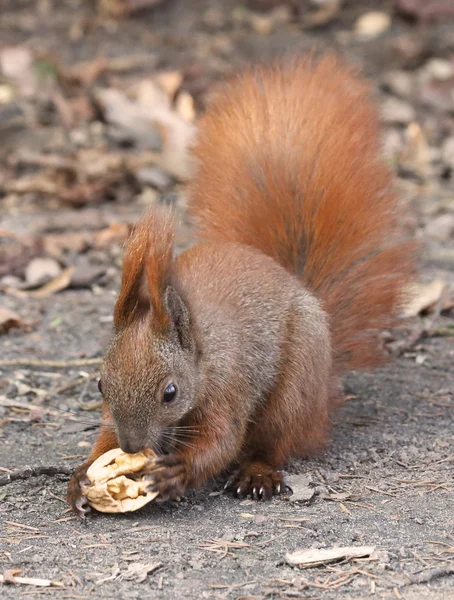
(289, 162)
(146, 269)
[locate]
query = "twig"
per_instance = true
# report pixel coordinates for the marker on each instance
(28, 472)
(31, 581)
(72, 384)
(55, 364)
(431, 574)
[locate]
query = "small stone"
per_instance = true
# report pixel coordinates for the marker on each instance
(439, 69)
(399, 112)
(154, 177)
(398, 83)
(372, 24)
(447, 152)
(41, 270)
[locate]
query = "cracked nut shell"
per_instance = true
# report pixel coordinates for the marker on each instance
(116, 484)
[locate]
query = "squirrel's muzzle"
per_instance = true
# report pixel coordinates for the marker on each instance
(131, 444)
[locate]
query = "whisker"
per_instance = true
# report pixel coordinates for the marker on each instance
(184, 443)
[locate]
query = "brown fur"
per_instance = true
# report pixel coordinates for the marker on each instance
(146, 268)
(289, 163)
(301, 269)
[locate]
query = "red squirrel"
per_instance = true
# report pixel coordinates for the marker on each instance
(228, 357)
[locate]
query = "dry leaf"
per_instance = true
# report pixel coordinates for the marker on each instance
(154, 125)
(116, 233)
(9, 319)
(40, 270)
(57, 244)
(422, 296)
(59, 283)
(184, 106)
(326, 12)
(170, 82)
(301, 488)
(124, 8)
(16, 63)
(139, 572)
(314, 557)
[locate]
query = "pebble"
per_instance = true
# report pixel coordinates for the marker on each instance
(398, 112)
(372, 24)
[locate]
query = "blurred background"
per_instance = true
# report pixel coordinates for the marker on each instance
(98, 105)
(98, 101)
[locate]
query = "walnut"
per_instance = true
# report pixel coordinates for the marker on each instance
(117, 482)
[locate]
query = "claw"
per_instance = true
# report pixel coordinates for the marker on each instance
(229, 483)
(278, 488)
(238, 491)
(261, 491)
(82, 506)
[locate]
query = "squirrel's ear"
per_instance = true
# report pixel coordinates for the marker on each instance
(146, 268)
(180, 320)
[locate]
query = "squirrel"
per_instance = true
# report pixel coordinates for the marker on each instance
(228, 358)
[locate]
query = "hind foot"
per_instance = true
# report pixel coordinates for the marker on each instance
(256, 480)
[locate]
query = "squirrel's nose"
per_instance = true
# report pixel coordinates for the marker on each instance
(131, 446)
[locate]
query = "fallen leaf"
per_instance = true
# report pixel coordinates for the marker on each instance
(170, 82)
(40, 271)
(10, 574)
(59, 283)
(139, 572)
(128, 116)
(323, 15)
(314, 557)
(136, 572)
(56, 244)
(9, 319)
(184, 106)
(123, 8)
(301, 488)
(16, 63)
(152, 124)
(422, 296)
(116, 233)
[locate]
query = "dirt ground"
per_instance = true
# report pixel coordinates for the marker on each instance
(386, 480)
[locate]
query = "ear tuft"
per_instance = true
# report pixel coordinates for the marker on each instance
(180, 320)
(146, 269)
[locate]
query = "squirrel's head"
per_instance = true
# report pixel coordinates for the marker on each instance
(149, 376)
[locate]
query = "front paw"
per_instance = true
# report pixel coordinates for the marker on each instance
(75, 497)
(169, 477)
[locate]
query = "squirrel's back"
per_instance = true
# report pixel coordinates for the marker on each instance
(288, 161)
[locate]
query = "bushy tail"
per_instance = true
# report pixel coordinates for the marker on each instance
(289, 162)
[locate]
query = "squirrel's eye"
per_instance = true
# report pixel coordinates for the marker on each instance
(170, 393)
(99, 386)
